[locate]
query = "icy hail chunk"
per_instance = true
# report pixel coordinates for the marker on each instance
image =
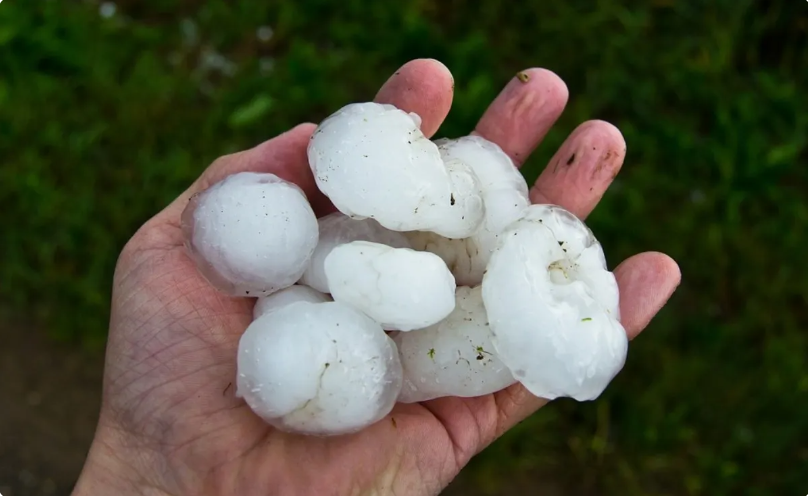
(284, 297)
(318, 368)
(250, 234)
(505, 195)
(337, 229)
(454, 357)
(372, 160)
(553, 306)
(400, 288)
(497, 175)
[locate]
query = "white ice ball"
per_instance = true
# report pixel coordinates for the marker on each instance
(318, 368)
(250, 234)
(454, 357)
(505, 195)
(287, 296)
(493, 167)
(336, 229)
(373, 161)
(553, 306)
(400, 288)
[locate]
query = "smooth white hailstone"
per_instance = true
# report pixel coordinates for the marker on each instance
(465, 210)
(373, 161)
(400, 288)
(493, 167)
(454, 357)
(318, 368)
(505, 195)
(553, 306)
(336, 229)
(284, 297)
(250, 234)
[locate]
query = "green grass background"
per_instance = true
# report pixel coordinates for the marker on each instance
(104, 120)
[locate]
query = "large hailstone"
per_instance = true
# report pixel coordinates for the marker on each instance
(250, 234)
(505, 195)
(553, 306)
(336, 229)
(318, 368)
(454, 357)
(400, 288)
(372, 160)
(284, 297)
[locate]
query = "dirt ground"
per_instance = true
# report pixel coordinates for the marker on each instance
(49, 401)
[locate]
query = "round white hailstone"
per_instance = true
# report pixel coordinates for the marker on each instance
(465, 210)
(553, 306)
(250, 234)
(454, 357)
(505, 195)
(336, 229)
(372, 160)
(318, 368)
(493, 167)
(284, 297)
(400, 288)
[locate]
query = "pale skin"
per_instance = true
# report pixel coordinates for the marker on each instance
(170, 422)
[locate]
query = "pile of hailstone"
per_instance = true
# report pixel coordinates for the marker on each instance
(435, 278)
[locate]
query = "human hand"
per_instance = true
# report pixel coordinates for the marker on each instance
(170, 422)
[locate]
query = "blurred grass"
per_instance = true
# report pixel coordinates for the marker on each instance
(103, 120)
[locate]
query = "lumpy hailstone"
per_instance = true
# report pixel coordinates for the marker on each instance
(505, 195)
(318, 368)
(553, 306)
(284, 297)
(336, 229)
(372, 160)
(250, 234)
(400, 288)
(454, 357)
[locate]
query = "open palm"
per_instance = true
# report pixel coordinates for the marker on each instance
(170, 421)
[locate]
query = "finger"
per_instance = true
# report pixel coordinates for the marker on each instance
(582, 169)
(646, 283)
(423, 86)
(520, 117)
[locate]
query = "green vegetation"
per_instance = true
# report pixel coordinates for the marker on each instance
(104, 120)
